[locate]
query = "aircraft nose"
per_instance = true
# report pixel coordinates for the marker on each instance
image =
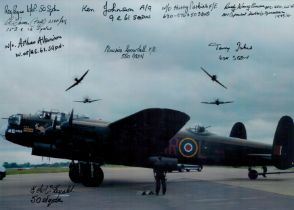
(2, 130)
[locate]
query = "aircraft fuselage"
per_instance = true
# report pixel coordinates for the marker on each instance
(210, 149)
(91, 140)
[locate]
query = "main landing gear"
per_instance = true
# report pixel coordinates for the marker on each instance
(253, 174)
(89, 174)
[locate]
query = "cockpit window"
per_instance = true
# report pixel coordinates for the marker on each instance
(14, 119)
(50, 115)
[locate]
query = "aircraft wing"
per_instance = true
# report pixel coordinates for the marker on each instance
(221, 84)
(148, 132)
(94, 100)
(206, 72)
(82, 77)
(79, 101)
(204, 102)
(227, 102)
(71, 86)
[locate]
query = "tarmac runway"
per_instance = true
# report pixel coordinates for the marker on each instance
(214, 188)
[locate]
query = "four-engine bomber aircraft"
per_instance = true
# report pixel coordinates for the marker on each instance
(141, 138)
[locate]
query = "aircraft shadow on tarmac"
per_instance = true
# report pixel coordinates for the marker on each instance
(124, 183)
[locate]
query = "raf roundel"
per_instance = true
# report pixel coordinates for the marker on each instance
(188, 147)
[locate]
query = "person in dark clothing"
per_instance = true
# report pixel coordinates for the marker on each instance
(160, 177)
(160, 180)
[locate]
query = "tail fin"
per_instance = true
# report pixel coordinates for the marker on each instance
(283, 145)
(238, 131)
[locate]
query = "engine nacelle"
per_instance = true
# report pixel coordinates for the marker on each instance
(163, 163)
(42, 149)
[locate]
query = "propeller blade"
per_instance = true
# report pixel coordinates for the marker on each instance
(70, 118)
(54, 123)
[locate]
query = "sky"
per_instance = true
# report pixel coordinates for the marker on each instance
(167, 77)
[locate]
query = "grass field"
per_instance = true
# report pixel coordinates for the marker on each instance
(35, 170)
(43, 169)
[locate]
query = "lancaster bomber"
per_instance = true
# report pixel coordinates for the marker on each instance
(144, 138)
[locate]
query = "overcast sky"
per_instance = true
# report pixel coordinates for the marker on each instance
(260, 86)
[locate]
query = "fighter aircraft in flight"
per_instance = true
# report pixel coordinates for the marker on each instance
(88, 100)
(145, 139)
(213, 77)
(217, 102)
(78, 80)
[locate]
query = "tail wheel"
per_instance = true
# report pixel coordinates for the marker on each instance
(252, 174)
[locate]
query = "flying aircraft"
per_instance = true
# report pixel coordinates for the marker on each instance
(78, 80)
(142, 139)
(88, 100)
(213, 77)
(217, 102)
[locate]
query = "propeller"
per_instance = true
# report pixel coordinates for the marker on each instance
(70, 118)
(54, 123)
(51, 129)
(67, 124)
(53, 134)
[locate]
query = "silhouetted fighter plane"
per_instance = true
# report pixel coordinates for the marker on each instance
(213, 77)
(144, 138)
(88, 100)
(78, 80)
(217, 102)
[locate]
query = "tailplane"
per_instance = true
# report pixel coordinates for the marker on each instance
(283, 145)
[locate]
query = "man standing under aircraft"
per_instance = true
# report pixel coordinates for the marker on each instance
(160, 176)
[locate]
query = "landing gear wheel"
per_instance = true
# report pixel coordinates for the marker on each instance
(74, 173)
(92, 175)
(199, 169)
(252, 174)
(181, 168)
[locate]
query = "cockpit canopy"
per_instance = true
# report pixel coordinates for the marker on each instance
(41, 117)
(60, 116)
(51, 115)
(15, 119)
